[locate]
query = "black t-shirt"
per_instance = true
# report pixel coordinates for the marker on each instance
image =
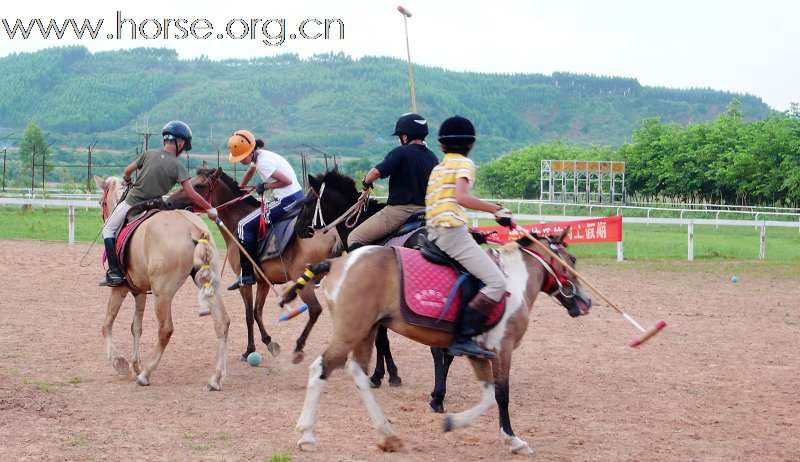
(408, 168)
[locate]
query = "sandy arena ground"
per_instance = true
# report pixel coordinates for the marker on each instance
(720, 384)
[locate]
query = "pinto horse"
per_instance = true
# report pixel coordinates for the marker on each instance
(363, 292)
(232, 204)
(165, 250)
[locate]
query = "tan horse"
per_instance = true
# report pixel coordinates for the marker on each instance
(363, 292)
(164, 251)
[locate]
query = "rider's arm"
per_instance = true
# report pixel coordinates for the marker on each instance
(281, 180)
(372, 175)
(197, 199)
(467, 200)
(132, 167)
(248, 175)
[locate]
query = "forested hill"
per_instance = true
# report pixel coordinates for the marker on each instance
(342, 105)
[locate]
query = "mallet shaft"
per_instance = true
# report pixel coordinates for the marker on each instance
(244, 252)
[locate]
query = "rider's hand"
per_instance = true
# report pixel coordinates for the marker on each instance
(128, 180)
(261, 187)
(503, 217)
(366, 186)
(212, 214)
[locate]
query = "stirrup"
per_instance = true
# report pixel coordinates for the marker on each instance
(112, 281)
(468, 347)
(239, 283)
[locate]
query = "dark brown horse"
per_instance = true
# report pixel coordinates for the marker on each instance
(362, 291)
(233, 203)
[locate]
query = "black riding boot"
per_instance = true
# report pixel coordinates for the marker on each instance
(114, 276)
(248, 277)
(471, 324)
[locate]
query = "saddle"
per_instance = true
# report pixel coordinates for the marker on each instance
(435, 288)
(405, 234)
(280, 233)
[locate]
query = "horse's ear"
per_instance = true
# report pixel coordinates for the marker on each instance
(314, 183)
(99, 181)
(217, 172)
(563, 234)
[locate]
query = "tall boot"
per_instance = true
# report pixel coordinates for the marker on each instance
(471, 324)
(248, 277)
(114, 276)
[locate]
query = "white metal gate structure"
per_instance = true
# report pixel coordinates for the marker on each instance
(582, 181)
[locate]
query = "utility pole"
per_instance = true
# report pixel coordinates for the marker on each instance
(146, 135)
(407, 14)
(5, 151)
(89, 167)
(33, 169)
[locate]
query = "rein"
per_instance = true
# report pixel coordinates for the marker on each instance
(555, 282)
(351, 215)
(248, 190)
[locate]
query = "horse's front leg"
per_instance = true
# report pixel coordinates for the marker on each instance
(501, 368)
(441, 365)
(247, 297)
(308, 297)
(115, 300)
(136, 331)
(381, 347)
(165, 329)
(262, 290)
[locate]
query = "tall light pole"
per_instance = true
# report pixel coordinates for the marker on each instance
(407, 14)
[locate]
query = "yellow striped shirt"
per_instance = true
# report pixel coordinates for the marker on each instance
(441, 208)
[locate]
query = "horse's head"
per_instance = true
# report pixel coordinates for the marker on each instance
(330, 196)
(213, 184)
(112, 188)
(566, 288)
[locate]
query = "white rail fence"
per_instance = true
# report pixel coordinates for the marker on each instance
(761, 224)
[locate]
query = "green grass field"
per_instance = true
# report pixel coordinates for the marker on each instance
(642, 242)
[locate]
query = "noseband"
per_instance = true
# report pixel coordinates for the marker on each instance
(556, 282)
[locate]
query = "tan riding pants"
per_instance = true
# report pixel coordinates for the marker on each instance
(458, 243)
(382, 223)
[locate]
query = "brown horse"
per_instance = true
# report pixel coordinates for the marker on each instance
(165, 250)
(363, 292)
(232, 204)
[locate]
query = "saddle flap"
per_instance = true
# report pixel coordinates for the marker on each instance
(279, 235)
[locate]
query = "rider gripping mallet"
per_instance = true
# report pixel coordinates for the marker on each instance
(647, 334)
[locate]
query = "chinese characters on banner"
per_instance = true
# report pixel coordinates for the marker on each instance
(604, 229)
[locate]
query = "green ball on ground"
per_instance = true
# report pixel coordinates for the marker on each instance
(254, 359)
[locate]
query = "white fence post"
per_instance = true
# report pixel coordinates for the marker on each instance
(71, 226)
(691, 240)
(762, 248)
(620, 256)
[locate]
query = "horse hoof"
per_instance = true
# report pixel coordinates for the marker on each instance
(521, 448)
(391, 444)
(447, 424)
(306, 444)
(436, 406)
(298, 356)
(374, 383)
(395, 381)
(142, 380)
(274, 348)
(244, 356)
(203, 312)
(211, 386)
(121, 365)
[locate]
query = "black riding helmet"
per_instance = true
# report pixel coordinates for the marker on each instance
(177, 129)
(412, 125)
(457, 131)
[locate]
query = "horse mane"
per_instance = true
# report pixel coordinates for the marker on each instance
(231, 183)
(340, 182)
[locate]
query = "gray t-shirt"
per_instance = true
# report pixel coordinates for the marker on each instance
(159, 171)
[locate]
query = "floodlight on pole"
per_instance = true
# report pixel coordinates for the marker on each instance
(407, 14)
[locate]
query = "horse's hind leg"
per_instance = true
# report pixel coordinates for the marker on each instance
(119, 363)
(136, 331)
(381, 347)
(314, 310)
(483, 371)
(262, 291)
(501, 369)
(441, 365)
(361, 356)
(165, 329)
(221, 324)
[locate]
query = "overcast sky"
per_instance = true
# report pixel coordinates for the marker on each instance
(741, 46)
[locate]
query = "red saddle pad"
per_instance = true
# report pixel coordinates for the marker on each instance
(125, 234)
(424, 291)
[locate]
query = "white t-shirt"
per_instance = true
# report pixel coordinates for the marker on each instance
(267, 163)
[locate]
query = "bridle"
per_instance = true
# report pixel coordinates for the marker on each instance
(207, 195)
(350, 216)
(556, 282)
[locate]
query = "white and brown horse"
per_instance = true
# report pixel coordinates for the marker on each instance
(363, 292)
(165, 250)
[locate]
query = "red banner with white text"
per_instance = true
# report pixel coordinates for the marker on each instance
(592, 230)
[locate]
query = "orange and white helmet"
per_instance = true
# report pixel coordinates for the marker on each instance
(240, 145)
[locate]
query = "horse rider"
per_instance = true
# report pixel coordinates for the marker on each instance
(159, 170)
(277, 175)
(447, 197)
(408, 167)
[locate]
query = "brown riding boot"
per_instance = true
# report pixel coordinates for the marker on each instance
(471, 324)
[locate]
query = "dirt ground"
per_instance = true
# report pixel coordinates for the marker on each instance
(721, 383)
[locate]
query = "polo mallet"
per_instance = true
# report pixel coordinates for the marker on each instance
(647, 334)
(235, 239)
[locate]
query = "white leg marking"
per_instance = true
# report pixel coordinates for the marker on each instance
(462, 419)
(305, 423)
(515, 444)
(516, 282)
(379, 420)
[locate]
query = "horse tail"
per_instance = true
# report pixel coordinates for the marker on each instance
(206, 273)
(312, 271)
